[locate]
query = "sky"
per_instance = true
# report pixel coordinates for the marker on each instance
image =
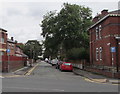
(22, 18)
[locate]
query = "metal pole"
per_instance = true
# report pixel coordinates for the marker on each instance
(117, 69)
(112, 65)
(8, 63)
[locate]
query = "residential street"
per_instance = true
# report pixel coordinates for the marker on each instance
(45, 78)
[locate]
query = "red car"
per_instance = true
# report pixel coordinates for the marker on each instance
(66, 66)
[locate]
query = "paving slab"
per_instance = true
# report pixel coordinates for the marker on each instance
(95, 77)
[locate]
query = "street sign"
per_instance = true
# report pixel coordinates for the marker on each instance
(8, 50)
(113, 49)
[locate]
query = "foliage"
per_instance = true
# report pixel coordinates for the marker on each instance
(33, 49)
(78, 54)
(66, 29)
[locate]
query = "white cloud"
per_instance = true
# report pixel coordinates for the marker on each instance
(22, 18)
(59, 0)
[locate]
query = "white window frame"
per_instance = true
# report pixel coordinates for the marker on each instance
(97, 54)
(1, 53)
(2, 40)
(97, 33)
(100, 31)
(100, 50)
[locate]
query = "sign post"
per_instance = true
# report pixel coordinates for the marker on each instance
(8, 51)
(113, 50)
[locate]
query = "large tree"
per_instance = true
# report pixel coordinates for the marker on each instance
(66, 29)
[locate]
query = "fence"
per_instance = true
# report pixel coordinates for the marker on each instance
(11, 63)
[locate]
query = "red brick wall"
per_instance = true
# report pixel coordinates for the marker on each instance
(109, 27)
(12, 63)
(105, 73)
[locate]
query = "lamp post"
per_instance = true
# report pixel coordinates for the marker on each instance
(117, 52)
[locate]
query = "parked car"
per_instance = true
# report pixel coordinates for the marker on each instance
(46, 60)
(66, 66)
(54, 62)
(58, 64)
(49, 61)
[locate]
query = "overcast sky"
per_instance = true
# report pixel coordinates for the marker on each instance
(21, 18)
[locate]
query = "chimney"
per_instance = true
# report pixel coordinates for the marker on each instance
(95, 19)
(12, 38)
(104, 12)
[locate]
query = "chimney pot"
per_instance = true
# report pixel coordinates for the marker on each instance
(12, 38)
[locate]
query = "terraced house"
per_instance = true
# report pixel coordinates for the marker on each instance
(11, 55)
(105, 43)
(3, 45)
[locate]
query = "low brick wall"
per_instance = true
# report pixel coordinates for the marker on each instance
(12, 63)
(105, 73)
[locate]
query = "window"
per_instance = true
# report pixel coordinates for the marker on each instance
(100, 31)
(2, 39)
(97, 33)
(1, 53)
(100, 49)
(97, 54)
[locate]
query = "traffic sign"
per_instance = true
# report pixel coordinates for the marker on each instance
(8, 50)
(113, 49)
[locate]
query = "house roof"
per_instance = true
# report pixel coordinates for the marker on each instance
(112, 13)
(3, 29)
(9, 40)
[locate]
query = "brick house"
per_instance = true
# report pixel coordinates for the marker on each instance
(3, 41)
(3, 45)
(10, 60)
(105, 41)
(18, 51)
(11, 44)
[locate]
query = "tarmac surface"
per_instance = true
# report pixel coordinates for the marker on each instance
(44, 77)
(88, 75)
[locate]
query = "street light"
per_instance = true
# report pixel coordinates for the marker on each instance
(117, 48)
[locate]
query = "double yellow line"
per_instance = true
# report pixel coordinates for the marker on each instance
(31, 70)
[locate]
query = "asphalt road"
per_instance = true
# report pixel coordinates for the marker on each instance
(45, 78)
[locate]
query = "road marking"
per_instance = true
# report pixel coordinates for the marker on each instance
(38, 89)
(19, 69)
(10, 76)
(31, 70)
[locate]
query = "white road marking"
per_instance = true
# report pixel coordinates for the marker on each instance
(38, 89)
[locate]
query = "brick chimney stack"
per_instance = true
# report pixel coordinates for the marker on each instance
(104, 12)
(12, 38)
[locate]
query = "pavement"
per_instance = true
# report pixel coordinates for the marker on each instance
(95, 77)
(88, 75)
(20, 72)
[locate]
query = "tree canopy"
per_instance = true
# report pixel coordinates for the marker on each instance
(33, 49)
(66, 29)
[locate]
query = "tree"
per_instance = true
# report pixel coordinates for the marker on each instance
(33, 49)
(66, 29)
